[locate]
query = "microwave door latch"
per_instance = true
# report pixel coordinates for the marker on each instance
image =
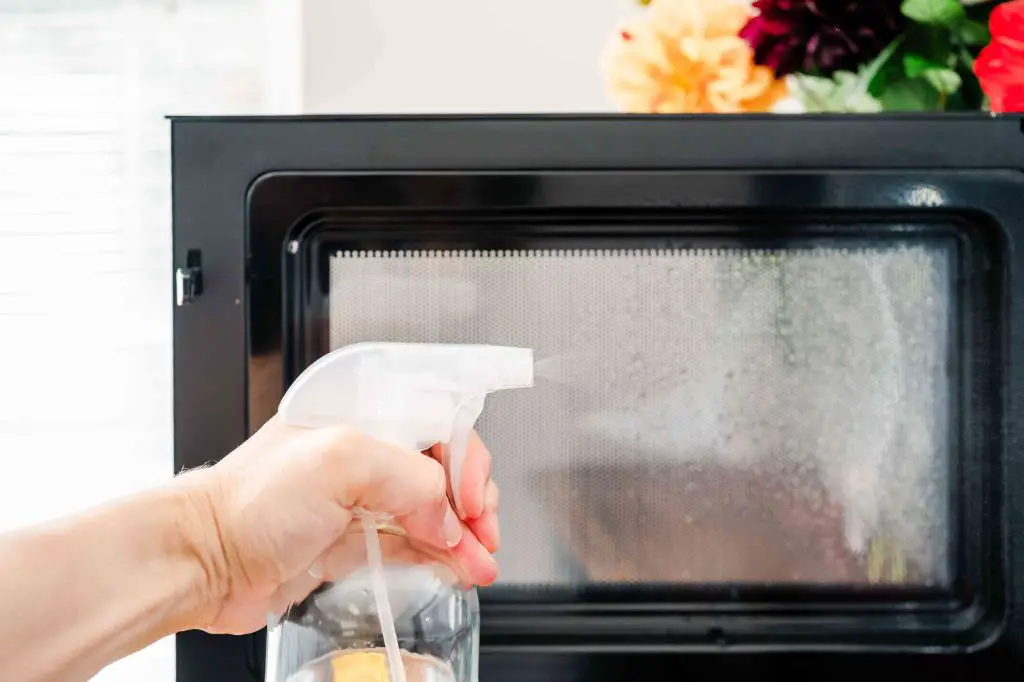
(188, 280)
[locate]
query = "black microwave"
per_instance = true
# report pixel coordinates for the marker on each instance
(777, 433)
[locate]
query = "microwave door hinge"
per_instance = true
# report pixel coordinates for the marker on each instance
(188, 280)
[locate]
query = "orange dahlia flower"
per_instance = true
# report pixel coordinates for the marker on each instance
(686, 56)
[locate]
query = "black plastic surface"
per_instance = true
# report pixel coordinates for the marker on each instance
(713, 166)
(740, 617)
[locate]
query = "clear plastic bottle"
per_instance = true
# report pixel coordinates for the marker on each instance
(335, 634)
(395, 610)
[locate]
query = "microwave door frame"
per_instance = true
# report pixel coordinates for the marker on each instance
(670, 163)
(863, 193)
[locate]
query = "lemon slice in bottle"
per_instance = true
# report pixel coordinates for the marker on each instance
(362, 666)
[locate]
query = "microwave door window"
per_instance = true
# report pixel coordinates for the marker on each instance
(701, 416)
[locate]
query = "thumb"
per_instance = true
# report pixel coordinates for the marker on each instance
(384, 478)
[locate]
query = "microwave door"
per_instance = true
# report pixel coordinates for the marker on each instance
(774, 423)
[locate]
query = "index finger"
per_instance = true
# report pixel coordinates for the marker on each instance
(476, 473)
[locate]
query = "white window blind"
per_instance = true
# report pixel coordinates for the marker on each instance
(85, 261)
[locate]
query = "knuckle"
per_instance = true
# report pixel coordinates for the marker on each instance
(334, 454)
(439, 482)
(435, 486)
(493, 495)
(344, 437)
(337, 442)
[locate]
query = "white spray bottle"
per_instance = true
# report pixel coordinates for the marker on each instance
(414, 396)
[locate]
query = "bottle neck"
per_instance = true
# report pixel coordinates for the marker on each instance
(384, 523)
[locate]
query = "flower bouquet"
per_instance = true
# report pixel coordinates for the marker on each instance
(838, 56)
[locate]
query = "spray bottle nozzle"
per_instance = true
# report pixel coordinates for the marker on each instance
(410, 395)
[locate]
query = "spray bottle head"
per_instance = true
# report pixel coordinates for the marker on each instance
(409, 394)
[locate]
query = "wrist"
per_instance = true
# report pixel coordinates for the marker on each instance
(200, 542)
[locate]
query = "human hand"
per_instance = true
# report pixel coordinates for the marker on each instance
(274, 514)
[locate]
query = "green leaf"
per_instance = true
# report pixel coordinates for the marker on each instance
(915, 94)
(845, 79)
(862, 103)
(875, 74)
(945, 81)
(844, 93)
(884, 56)
(815, 94)
(933, 43)
(972, 33)
(934, 12)
(914, 65)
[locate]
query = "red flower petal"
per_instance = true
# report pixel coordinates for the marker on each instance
(1009, 99)
(1007, 23)
(753, 29)
(1000, 65)
(999, 60)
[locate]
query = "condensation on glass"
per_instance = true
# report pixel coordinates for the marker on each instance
(703, 415)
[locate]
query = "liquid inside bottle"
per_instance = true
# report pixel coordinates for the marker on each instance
(334, 635)
(371, 665)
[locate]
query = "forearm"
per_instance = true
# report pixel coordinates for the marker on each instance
(80, 593)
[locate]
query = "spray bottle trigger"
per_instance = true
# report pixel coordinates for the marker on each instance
(455, 451)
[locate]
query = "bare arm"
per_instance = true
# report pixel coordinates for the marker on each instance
(220, 547)
(83, 592)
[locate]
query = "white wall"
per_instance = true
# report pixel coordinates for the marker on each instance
(85, 267)
(416, 56)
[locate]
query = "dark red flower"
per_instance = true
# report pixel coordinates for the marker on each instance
(1000, 65)
(821, 36)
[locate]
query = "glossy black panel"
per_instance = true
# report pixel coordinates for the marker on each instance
(597, 666)
(245, 191)
(668, 616)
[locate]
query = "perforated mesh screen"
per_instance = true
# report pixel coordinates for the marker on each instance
(702, 416)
